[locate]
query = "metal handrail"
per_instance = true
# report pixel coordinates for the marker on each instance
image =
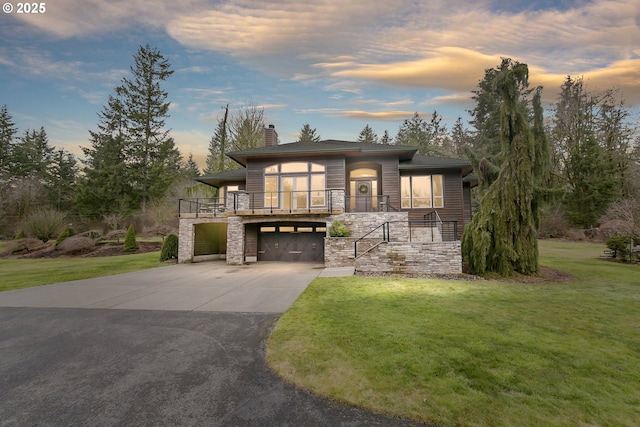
(381, 203)
(264, 200)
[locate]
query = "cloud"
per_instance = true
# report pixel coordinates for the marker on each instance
(391, 116)
(447, 68)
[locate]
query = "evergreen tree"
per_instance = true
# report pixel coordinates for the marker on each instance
(105, 187)
(413, 132)
(485, 146)
(190, 168)
(368, 135)
(502, 235)
(62, 179)
(586, 171)
(8, 130)
(307, 134)
(386, 139)
(151, 152)
(32, 155)
(217, 160)
(428, 137)
(460, 139)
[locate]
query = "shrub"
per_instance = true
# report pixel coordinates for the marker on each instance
(621, 246)
(43, 223)
(130, 244)
(64, 234)
(338, 229)
(20, 235)
(76, 244)
(169, 248)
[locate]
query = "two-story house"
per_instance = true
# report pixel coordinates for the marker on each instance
(281, 203)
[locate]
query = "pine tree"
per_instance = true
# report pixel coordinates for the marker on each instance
(32, 155)
(151, 152)
(368, 135)
(190, 168)
(502, 235)
(8, 130)
(61, 181)
(587, 174)
(386, 139)
(218, 146)
(105, 187)
(307, 134)
(428, 137)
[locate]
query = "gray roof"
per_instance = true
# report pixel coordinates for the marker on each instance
(329, 146)
(218, 179)
(419, 162)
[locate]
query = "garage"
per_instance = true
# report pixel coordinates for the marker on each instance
(291, 242)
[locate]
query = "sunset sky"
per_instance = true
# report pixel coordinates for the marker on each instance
(335, 64)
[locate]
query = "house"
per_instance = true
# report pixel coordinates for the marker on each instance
(405, 211)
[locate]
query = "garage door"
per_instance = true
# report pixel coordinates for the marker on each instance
(291, 242)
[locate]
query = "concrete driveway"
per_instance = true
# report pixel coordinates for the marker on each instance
(265, 287)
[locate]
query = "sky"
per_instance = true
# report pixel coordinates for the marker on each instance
(335, 64)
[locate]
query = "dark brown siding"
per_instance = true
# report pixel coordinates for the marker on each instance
(453, 198)
(391, 182)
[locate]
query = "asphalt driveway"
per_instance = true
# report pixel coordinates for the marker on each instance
(146, 362)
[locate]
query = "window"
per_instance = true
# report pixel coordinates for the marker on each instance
(295, 185)
(225, 190)
(421, 191)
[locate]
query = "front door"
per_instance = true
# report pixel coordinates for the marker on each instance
(363, 196)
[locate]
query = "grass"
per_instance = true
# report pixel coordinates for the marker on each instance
(24, 273)
(474, 353)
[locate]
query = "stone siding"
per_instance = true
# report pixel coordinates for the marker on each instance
(361, 223)
(339, 251)
(235, 240)
(186, 236)
(412, 258)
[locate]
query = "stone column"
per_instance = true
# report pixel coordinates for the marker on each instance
(235, 240)
(185, 241)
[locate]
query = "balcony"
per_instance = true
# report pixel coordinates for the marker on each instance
(321, 202)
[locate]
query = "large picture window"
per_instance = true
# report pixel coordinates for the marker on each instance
(422, 191)
(295, 185)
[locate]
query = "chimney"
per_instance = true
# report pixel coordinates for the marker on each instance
(270, 136)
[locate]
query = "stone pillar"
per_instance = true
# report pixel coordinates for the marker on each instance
(235, 240)
(337, 199)
(185, 241)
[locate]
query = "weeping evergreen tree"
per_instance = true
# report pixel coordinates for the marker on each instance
(502, 236)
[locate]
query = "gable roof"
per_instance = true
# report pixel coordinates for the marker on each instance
(326, 147)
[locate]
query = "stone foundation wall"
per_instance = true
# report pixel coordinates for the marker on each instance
(186, 236)
(412, 258)
(362, 222)
(339, 251)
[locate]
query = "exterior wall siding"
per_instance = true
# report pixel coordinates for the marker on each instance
(412, 258)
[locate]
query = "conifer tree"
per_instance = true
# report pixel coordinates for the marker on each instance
(218, 146)
(386, 139)
(502, 235)
(151, 152)
(368, 135)
(8, 130)
(307, 134)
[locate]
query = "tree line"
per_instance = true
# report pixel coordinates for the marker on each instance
(132, 164)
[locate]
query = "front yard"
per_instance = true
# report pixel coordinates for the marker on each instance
(474, 353)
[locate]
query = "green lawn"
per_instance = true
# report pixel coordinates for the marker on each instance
(474, 353)
(24, 273)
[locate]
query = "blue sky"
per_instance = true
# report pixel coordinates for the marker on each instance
(335, 64)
